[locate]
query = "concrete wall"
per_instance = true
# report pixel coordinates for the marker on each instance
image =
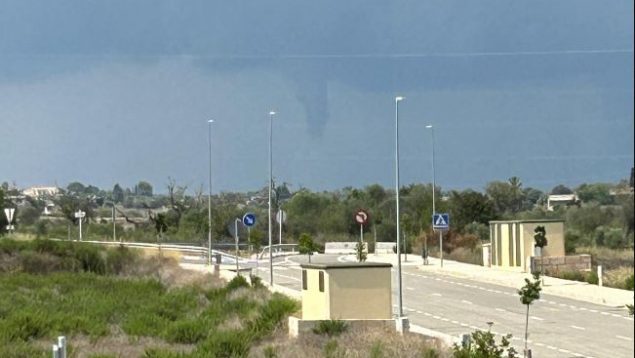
(512, 242)
(554, 264)
(342, 247)
(360, 293)
(555, 238)
(315, 304)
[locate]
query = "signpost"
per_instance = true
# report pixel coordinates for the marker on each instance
(249, 219)
(9, 214)
(79, 214)
(441, 223)
(361, 217)
(281, 218)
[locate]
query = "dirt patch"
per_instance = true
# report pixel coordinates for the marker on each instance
(118, 345)
(359, 342)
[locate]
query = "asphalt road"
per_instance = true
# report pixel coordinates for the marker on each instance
(559, 327)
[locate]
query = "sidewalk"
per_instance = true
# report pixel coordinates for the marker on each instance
(581, 291)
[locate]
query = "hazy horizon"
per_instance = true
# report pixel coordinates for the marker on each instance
(119, 91)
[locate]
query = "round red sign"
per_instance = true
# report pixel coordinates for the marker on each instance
(361, 217)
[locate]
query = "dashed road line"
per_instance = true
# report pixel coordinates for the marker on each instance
(624, 338)
(578, 328)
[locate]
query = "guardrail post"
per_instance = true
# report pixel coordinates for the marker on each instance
(56, 351)
(61, 344)
(600, 275)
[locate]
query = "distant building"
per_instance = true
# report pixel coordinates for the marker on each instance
(41, 191)
(564, 199)
(512, 242)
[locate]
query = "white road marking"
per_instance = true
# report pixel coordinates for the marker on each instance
(466, 302)
(577, 327)
(624, 338)
(436, 294)
(410, 288)
(499, 309)
(537, 318)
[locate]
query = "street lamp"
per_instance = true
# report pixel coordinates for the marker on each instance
(271, 114)
(434, 185)
(236, 241)
(397, 100)
(209, 197)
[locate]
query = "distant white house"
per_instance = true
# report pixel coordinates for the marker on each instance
(41, 191)
(564, 199)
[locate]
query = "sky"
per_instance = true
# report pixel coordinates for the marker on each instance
(119, 91)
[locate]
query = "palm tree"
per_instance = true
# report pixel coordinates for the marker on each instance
(516, 192)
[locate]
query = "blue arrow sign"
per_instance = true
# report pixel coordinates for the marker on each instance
(249, 219)
(441, 221)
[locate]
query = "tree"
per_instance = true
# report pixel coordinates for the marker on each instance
(143, 188)
(306, 245)
(483, 345)
(468, 207)
(3, 220)
(528, 294)
(76, 188)
(599, 193)
(359, 251)
(516, 193)
(117, 194)
(561, 190)
(502, 196)
(540, 240)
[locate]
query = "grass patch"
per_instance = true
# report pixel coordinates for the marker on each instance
(79, 293)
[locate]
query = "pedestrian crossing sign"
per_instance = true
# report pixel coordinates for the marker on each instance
(441, 221)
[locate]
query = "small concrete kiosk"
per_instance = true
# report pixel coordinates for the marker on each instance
(512, 242)
(346, 291)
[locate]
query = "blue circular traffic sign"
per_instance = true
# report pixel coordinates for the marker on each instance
(249, 219)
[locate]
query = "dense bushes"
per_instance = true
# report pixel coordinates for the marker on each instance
(44, 306)
(45, 256)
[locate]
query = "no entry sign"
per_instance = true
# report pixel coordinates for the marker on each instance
(361, 217)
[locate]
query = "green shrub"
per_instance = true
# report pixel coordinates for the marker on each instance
(187, 332)
(38, 263)
(24, 326)
(272, 313)
(630, 282)
(483, 345)
(377, 350)
(331, 350)
(22, 350)
(237, 282)
(330, 327)
(256, 281)
(225, 344)
(270, 352)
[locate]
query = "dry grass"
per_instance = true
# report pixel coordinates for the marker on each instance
(360, 342)
(609, 258)
(463, 254)
(617, 277)
(117, 345)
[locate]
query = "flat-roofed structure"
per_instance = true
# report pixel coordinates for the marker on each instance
(512, 241)
(346, 291)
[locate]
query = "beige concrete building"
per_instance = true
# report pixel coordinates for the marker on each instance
(512, 242)
(346, 291)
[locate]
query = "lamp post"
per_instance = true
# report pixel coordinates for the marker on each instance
(236, 242)
(209, 197)
(434, 185)
(397, 100)
(271, 114)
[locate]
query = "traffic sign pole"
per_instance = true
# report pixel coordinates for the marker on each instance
(441, 222)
